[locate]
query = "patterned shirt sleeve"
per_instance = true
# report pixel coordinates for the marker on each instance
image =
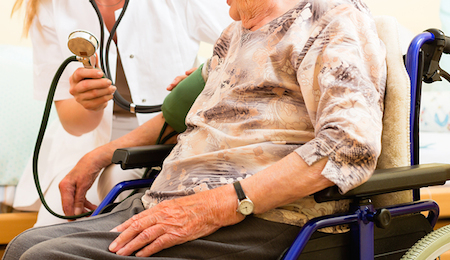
(342, 78)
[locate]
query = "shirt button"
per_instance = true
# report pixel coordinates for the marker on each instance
(144, 100)
(131, 56)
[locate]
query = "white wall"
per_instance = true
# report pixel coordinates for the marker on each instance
(11, 27)
(416, 15)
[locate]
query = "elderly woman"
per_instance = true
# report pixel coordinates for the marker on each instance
(293, 104)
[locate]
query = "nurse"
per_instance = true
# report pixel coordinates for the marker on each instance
(155, 42)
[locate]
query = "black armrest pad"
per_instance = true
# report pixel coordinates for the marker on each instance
(390, 180)
(141, 156)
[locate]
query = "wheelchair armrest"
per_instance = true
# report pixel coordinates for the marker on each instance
(141, 156)
(391, 180)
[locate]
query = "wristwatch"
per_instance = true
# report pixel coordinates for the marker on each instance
(245, 206)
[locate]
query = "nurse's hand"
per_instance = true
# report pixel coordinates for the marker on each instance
(77, 182)
(91, 90)
(178, 79)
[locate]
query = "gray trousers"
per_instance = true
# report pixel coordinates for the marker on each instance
(89, 238)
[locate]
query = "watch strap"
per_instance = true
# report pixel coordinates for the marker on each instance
(239, 191)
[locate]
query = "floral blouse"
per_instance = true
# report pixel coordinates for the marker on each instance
(311, 82)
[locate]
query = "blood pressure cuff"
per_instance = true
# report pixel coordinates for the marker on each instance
(180, 100)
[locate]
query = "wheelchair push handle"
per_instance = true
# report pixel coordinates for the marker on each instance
(442, 41)
(447, 45)
(431, 44)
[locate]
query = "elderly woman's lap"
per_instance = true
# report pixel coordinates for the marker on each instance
(37, 239)
(253, 238)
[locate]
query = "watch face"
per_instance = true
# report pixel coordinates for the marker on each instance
(246, 207)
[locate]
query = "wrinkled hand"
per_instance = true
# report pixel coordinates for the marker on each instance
(176, 221)
(178, 79)
(91, 90)
(77, 182)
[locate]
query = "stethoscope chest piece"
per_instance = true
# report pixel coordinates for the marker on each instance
(82, 43)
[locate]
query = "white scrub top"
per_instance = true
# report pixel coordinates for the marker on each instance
(158, 40)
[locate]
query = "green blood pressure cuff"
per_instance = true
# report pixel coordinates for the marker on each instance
(180, 100)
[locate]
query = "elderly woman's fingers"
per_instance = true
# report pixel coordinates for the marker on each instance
(150, 236)
(176, 221)
(162, 242)
(131, 229)
(122, 227)
(159, 230)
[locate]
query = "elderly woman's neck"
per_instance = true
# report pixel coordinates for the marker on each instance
(264, 12)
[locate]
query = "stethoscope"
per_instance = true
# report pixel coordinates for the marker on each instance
(84, 45)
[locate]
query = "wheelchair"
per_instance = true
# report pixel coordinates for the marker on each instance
(365, 219)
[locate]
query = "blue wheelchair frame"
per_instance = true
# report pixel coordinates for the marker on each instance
(364, 216)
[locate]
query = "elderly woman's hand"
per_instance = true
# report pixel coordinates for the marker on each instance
(177, 221)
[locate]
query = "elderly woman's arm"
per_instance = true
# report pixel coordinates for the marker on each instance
(180, 220)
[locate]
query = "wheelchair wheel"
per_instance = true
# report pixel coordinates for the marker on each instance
(431, 246)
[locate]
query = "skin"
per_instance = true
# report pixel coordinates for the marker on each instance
(184, 219)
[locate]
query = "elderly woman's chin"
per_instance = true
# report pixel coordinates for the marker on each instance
(233, 12)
